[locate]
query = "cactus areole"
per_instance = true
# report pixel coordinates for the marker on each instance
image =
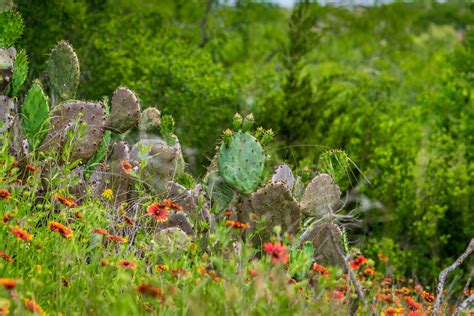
(241, 162)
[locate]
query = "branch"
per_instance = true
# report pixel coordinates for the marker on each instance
(444, 274)
(464, 305)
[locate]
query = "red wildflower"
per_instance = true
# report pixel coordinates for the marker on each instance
(9, 284)
(6, 218)
(148, 289)
(128, 220)
(416, 314)
(277, 251)
(4, 310)
(370, 272)
(237, 225)
(253, 272)
(357, 262)
(129, 265)
(161, 268)
(69, 202)
(20, 233)
(412, 304)
(382, 257)
(32, 306)
(390, 311)
(321, 269)
(126, 166)
(159, 211)
(6, 257)
(63, 230)
(99, 231)
(428, 297)
(229, 213)
(32, 168)
(5, 194)
(172, 205)
(65, 282)
(115, 238)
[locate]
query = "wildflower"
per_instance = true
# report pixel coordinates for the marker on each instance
(20, 233)
(237, 225)
(253, 272)
(99, 231)
(468, 292)
(65, 282)
(428, 297)
(229, 213)
(277, 251)
(148, 289)
(115, 238)
(63, 230)
(32, 306)
(104, 262)
(179, 271)
(387, 298)
(404, 290)
(321, 269)
(126, 166)
(382, 257)
(160, 212)
(78, 215)
(128, 220)
(370, 272)
(6, 257)
(357, 262)
(4, 310)
(129, 265)
(69, 202)
(416, 314)
(412, 304)
(9, 284)
(161, 268)
(5, 194)
(108, 194)
(390, 311)
(173, 206)
(6, 218)
(338, 295)
(32, 168)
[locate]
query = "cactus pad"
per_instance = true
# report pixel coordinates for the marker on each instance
(35, 113)
(63, 69)
(6, 113)
(284, 174)
(327, 243)
(125, 111)
(217, 188)
(65, 115)
(11, 28)
(120, 177)
(179, 220)
(150, 120)
(241, 162)
(7, 57)
(276, 203)
(321, 196)
(20, 72)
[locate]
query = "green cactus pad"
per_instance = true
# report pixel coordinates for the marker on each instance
(65, 115)
(11, 28)
(6, 113)
(7, 57)
(217, 188)
(276, 203)
(241, 162)
(326, 238)
(63, 70)
(321, 196)
(150, 121)
(125, 111)
(20, 72)
(35, 113)
(284, 174)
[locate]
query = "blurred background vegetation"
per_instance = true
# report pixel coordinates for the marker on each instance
(390, 84)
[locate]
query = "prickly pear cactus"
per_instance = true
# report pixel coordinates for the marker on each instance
(35, 114)
(120, 177)
(6, 113)
(63, 70)
(150, 120)
(326, 238)
(20, 71)
(241, 162)
(189, 199)
(179, 220)
(276, 204)
(11, 28)
(64, 116)
(125, 111)
(321, 196)
(284, 174)
(217, 188)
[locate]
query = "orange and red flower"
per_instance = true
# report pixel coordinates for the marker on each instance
(172, 205)
(129, 265)
(69, 202)
(411, 303)
(9, 284)
(382, 257)
(277, 251)
(148, 289)
(20, 233)
(6, 257)
(128, 220)
(32, 168)
(118, 239)
(126, 166)
(357, 262)
(238, 225)
(161, 268)
(370, 272)
(5, 194)
(63, 230)
(32, 306)
(99, 231)
(159, 211)
(6, 218)
(321, 270)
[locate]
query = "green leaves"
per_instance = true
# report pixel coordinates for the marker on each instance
(35, 112)
(20, 67)
(63, 69)
(11, 28)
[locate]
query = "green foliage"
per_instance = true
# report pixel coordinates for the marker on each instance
(35, 113)
(63, 71)
(167, 129)
(11, 28)
(20, 66)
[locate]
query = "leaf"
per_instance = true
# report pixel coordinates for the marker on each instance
(35, 112)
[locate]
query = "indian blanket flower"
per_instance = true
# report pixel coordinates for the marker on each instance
(321, 270)
(63, 230)
(390, 311)
(277, 251)
(382, 257)
(159, 211)
(6, 218)
(7, 283)
(5, 194)
(428, 297)
(411, 303)
(357, 262)
(69, 201)
(129, 265)
(32, 168)
(148, 289)
(238, 225)
(370, 272)
(126, 166)
(32, 306)
(20, 233)
(172, 205)
(161, 268)
(5, 257)
(108, 194)
(115, 238)
(99, 231)
(128, 220)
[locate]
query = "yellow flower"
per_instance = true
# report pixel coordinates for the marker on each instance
(107, 194)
